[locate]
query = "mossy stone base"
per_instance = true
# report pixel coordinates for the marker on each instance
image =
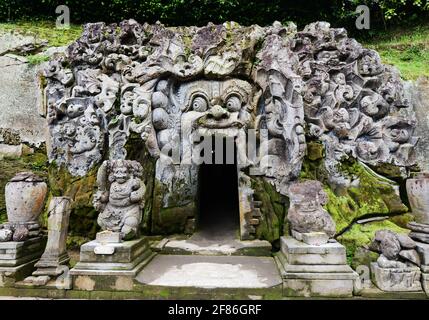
(9, 276)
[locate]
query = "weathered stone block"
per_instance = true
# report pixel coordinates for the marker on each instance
(108, 237)
(396, 279)
(334, 288)
(297, 252)
(114, 271)
(124, 252)
(19, 258)
(311, 271)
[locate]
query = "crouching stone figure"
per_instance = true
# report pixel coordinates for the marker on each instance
(120, 197)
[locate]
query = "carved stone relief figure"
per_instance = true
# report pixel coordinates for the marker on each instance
(120, 197)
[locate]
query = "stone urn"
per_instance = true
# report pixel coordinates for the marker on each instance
(418, 195)
(25, 197)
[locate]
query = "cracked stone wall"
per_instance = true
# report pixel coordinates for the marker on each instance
(19, 92)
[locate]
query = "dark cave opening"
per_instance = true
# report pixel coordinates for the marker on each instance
(218, 196)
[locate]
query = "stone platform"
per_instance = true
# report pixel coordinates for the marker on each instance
(110, 265)
(396, 279)
(17, 259)
(316, 271)
(211, 272)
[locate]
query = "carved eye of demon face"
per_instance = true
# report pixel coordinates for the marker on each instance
(233, 103)
(200, 104)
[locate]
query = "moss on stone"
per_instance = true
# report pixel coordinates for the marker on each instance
(272, 209)
(361, 235)
(402, 220)
(373, 196)
(83, 217)
(315, 150)
(173, 219)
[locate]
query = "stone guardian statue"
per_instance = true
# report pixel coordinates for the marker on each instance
(120, 197)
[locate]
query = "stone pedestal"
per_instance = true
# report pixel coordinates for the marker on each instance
(315, 270)
(423, 250)
(420, 234)
(396, 279)
(17, 259)
(110, 265)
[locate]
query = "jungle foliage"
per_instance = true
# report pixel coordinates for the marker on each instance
(384, 13)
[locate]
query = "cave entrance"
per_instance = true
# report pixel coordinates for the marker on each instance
(218, 193)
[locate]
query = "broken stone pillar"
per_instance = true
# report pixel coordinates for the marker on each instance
(420, 234)
(21, 245)
(310, 262)
(55, 258)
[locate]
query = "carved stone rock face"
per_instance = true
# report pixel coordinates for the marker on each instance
(172, 86)
(153, 72)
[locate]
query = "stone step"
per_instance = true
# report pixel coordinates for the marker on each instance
(419, 236)
(418, 227)
(211, 272)
(230, 247)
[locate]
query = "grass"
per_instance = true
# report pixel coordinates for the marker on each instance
(44, 30)
(407, 49)
(37, 59)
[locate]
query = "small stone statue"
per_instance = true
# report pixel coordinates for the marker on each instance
(397, 267)
(120, 197)
(306, 214)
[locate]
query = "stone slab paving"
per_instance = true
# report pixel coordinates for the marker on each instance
(211, 272)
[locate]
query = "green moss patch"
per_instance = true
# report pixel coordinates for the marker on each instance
(361, 235)
(44, 30)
